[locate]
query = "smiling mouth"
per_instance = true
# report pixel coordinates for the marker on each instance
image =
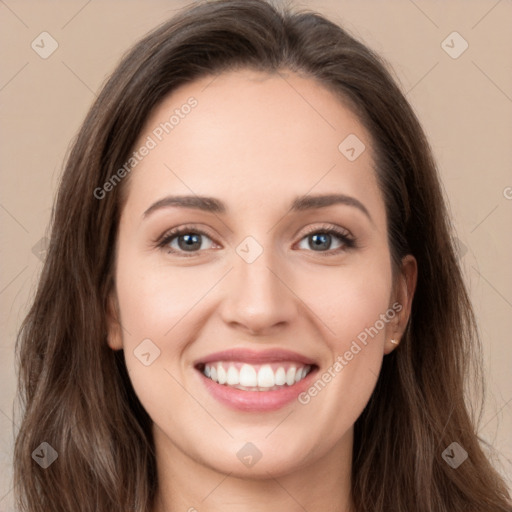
(255, 377)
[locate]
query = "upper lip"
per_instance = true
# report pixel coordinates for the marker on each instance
(255, 356)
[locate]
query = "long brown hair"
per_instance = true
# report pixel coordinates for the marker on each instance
(75, 391)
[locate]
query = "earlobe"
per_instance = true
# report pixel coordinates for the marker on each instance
(114, 335)
(390, 345)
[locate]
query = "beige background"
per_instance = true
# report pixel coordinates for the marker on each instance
(465, 105)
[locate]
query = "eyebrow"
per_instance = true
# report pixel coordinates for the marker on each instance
(299, 204)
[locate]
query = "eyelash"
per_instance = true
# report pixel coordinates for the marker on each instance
(347, 240)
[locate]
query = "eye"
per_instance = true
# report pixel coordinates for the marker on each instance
(190, 240)
(320, 239)
(185, 239)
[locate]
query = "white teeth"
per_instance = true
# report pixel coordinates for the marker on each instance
(263, 378)
(221, 374)
(266, 377)
(248, 376)
(280, 377)
(290, 376)
(233, 376)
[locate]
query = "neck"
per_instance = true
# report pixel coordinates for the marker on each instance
(188, 485)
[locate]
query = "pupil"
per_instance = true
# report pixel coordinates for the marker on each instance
(324, 242)
(190, 240)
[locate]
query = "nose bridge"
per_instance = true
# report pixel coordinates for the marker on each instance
(258, 296)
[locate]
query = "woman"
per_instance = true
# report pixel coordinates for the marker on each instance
(251, 299)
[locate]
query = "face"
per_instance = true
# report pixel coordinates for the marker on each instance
(285, 298)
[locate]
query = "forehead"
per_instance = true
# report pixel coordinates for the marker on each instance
(252, 136)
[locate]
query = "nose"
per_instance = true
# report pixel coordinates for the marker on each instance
(259, 297)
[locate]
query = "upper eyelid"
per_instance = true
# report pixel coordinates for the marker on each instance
(187, 228)
(328, 227)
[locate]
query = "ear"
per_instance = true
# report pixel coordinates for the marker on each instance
(114, 335)
(403, 293)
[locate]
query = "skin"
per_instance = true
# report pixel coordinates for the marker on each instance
(255, 141)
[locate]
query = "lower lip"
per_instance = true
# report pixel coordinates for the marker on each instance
(256, 401)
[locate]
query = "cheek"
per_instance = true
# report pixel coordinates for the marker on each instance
(165, 303)
(154, 299)
(349, 300)
(159, 311)
(355, 312)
